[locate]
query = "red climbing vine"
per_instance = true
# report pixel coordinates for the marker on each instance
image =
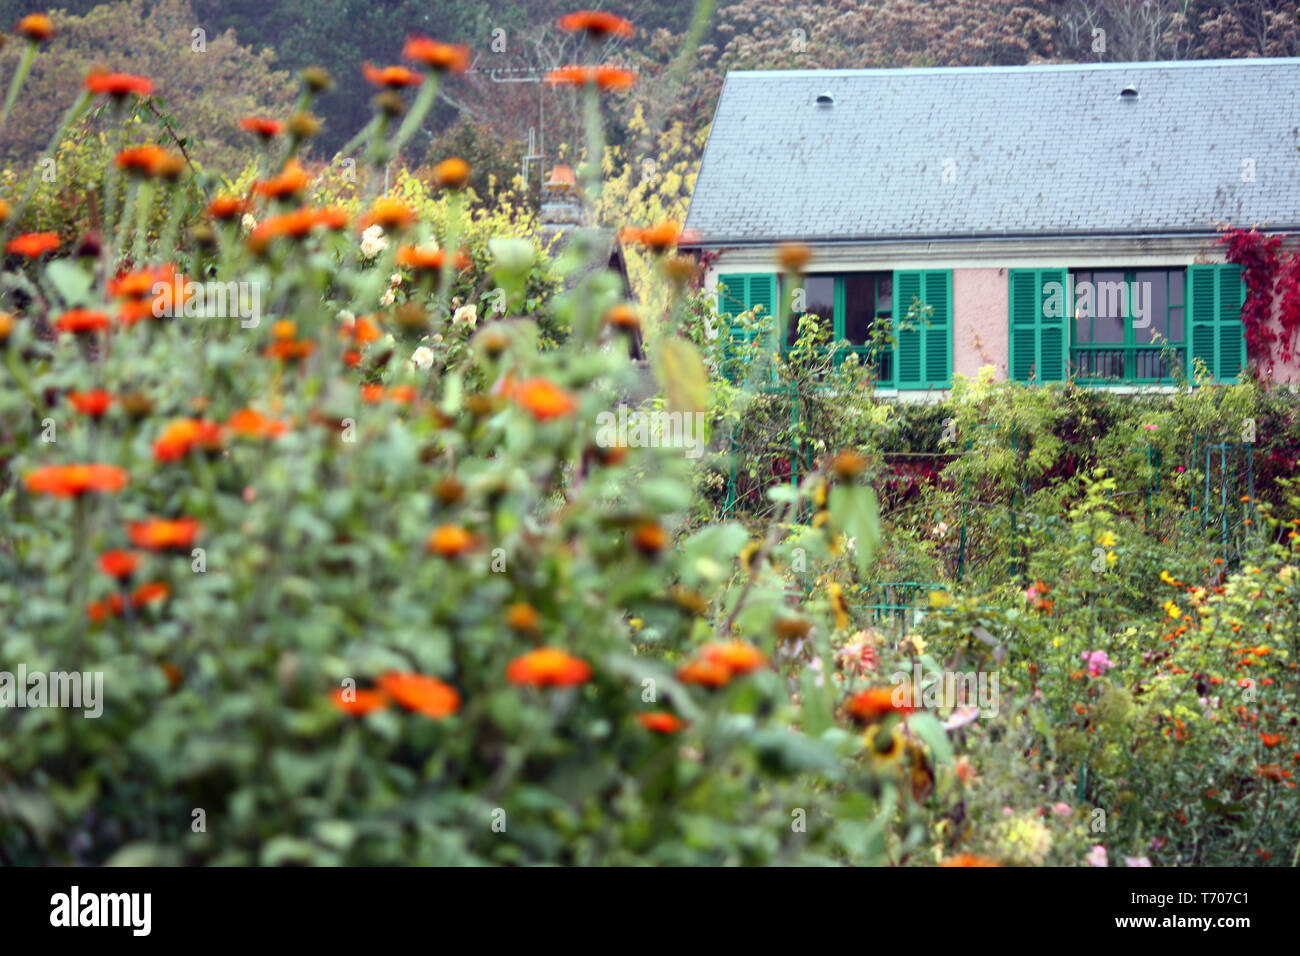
(1268, 271)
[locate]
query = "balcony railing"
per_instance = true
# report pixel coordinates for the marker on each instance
(1139, 364)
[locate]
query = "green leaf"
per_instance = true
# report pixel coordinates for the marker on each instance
(70, 282)
(931, 732)
(855, 511)
(680, 370)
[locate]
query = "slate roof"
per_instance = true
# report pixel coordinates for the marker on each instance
(1035, 151)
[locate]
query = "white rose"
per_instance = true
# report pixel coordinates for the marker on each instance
(248, 222)
(467, 315)
(395, 279)
(388, 298)
(373, 242)
(422, 358)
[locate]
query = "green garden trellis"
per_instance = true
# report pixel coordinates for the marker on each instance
(1226, 506)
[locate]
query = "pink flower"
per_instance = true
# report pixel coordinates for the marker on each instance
(1031, 593)
(1136, 861)
(1180, 469)
(1098, 662)
(1097, 856)
(1149, 428)
(1062, 809)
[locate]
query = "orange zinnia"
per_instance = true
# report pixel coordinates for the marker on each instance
(363, 701)
(1271, 740)
(289, 350)
(93, 403)
(422, 694)
(291, 180)
(119, 564)
(649, 538)
(142, 282)
(33, 245)
(37, 27)
(226, 207)
(296, 225)
(875, 702)
(603, 77)
(82, 321)
(72, 481)
(452, 173)
(253, 424)
(544, 400)
(548, 667)
(159, 534)
(141, 160)
(968, 859)
(661, 722)
(182, 436)
(439, 57)
(118, 85)
(392, 77)
(596, 24)
(737, 656)
(658, 238)
(262, 126)
(450, 541)
(361, 331)
(706, 673)
(426, 259)
(390, 214)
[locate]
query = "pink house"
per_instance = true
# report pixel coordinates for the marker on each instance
(1053, 222)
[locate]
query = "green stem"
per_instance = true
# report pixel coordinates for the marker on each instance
(24, 67)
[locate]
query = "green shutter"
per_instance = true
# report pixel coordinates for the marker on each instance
(1215, 296)
(1038, 337)
(745, 291)
(923, 353)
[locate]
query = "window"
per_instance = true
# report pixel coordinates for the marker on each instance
(854, 304)
(1127, 325)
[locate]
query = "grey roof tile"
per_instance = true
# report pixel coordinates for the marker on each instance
(1048, 150)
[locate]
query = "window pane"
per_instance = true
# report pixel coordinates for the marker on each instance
(1176, 279)
(1099, 302)
(859, 307)
(885, 294)
(1149, 295)
(1176, 325)
(819, 300)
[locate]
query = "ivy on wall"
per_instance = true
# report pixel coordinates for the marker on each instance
(1269, 271)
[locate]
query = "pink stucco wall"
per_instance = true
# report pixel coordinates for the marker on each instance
(980, 321)
(1283, 372)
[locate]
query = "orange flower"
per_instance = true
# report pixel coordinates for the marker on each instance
(392, 77)
(372, 393)
(82, 321)
(93, 403)
(544, 400)
(968, 859)
(150, 593)
(119, 564)
(522, 616)
(426, 259)
(141, 282)
(548, 667)
(182, 436)
(226, 207)
(37, 27)
(262, 126)
(118, 85)
(296, 225)
(706, 673)
(253, 424)
(110, 606)
(649, 538)
(293, 179)
(736, 656)
(390, 214)
(451, 173)
(72, 481)
(422, 694)
(661, 722)
(596, 24)
(875, 702)
(450, 541)
(439, 57)
(658, 238)
(289, 350)
(142, 160)
(1271, 740)
(362, 331)
(603, 77)
(33, 245)
(359, 702)
(623, 317)
(402, 394)
(159, 534)
(1272, 771)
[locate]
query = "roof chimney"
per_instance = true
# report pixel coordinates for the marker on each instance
(561, 201)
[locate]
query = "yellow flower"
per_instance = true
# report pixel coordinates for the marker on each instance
(939, 599)
(1107, 539)
(838, 605)
(1172, 610)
